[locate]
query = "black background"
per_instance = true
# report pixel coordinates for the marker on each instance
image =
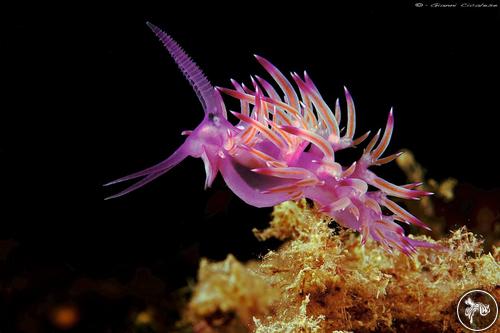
(91, 96)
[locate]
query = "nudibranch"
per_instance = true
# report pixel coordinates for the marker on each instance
(283, 147)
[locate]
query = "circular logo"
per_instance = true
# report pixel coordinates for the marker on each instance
(477, 310)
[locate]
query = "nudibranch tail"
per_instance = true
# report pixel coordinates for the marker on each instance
(283, 147)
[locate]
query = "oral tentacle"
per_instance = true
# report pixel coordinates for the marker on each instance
(147, 179)
(162, 167)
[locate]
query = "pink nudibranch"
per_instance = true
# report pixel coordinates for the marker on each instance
(283, 148)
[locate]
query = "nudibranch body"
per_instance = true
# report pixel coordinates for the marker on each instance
(283, 148)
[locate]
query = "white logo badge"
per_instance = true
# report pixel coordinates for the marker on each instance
(477, 310)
